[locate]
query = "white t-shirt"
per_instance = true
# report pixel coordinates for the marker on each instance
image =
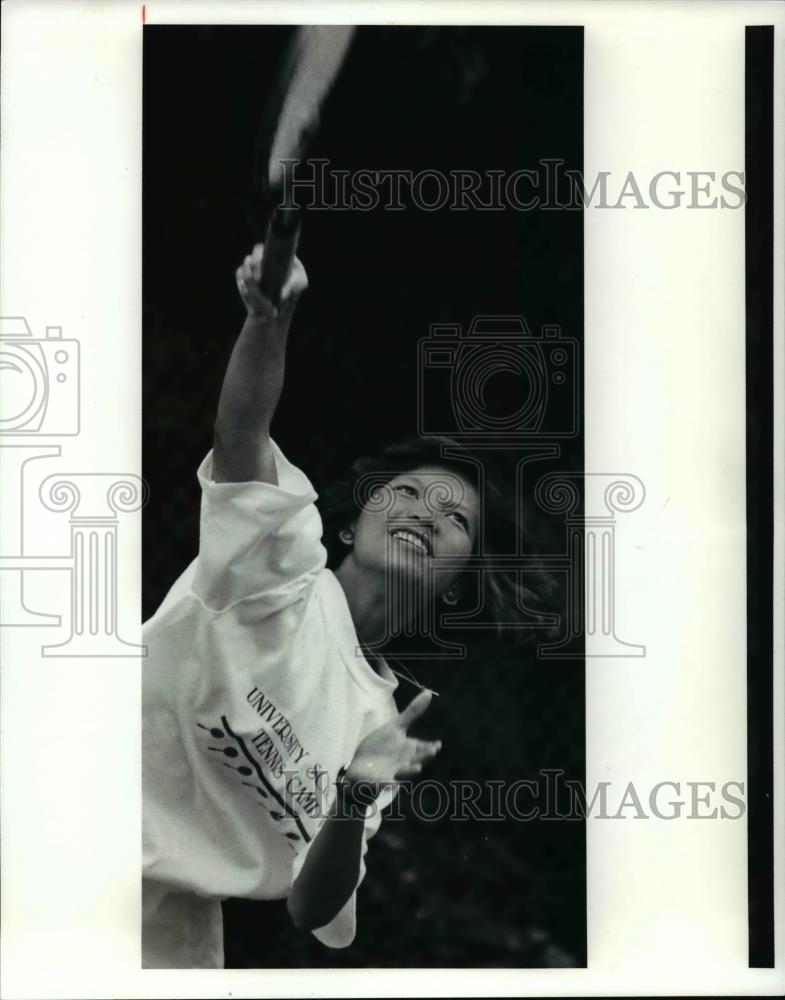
(254, 696)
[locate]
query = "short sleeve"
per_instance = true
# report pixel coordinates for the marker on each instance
(257, 540)
(341, 930)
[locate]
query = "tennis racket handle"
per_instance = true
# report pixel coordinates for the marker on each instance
(280, 246)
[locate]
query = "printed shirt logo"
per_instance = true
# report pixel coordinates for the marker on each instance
(274, 756)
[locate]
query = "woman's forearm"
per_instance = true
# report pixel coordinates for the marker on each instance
(242, 450)
(331, 871)
(251, 389)
(332, 868)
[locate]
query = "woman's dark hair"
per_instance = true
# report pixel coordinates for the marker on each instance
(507, 598)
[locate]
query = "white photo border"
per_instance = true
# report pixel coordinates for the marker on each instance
(664, 89)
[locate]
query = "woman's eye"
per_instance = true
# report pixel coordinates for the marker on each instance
(408, 490)
(460, 519)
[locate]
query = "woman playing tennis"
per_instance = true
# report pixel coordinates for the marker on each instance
(271, 737)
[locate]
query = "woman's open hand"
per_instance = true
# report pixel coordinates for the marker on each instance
(248, 276)
(331, 869)
(388, 754)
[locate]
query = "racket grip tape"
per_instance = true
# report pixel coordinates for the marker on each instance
(280, 247)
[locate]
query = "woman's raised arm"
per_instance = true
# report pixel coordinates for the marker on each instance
(242, 450)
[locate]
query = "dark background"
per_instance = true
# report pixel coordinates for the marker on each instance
(478, 893)
(759, 287)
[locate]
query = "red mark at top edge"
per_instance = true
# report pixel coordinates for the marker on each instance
(144, 13)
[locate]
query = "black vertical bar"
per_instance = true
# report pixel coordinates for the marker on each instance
(759, 264)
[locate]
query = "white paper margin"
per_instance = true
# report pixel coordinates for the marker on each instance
(667, 901)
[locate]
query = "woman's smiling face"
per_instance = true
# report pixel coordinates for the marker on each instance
(417, 519)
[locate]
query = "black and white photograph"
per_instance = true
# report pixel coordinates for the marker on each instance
(382, 569)
(391, 423)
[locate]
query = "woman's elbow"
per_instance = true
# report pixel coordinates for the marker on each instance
(302, 916)
(307, 916)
